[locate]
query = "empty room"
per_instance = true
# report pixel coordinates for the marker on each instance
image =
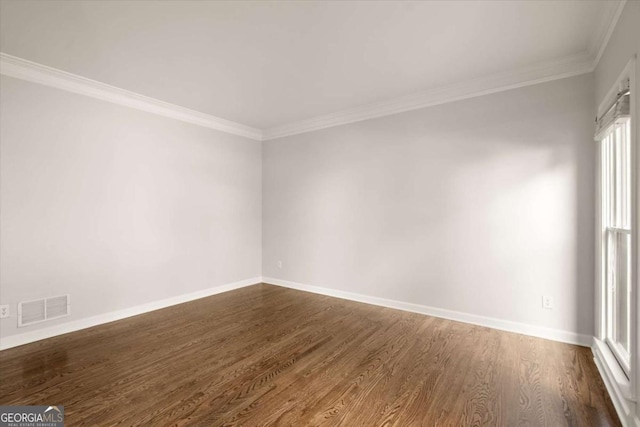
(319, 213)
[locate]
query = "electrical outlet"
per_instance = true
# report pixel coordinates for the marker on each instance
(279, 264)
(547, 302)
(4, 311)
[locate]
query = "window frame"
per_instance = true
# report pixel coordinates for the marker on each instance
(616, 209)
(626, 378)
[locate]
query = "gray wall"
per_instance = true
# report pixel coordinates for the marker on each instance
(118, 207)
(480, 206)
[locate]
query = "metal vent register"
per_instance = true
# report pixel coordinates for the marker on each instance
(36, 311)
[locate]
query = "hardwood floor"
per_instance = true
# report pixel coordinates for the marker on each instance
(265, 355)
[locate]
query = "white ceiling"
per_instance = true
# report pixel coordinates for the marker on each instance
(269, 64)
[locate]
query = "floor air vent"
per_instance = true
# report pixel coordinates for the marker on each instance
(37, 311)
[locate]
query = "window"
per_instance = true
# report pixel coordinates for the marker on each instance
(617, 337)
(616, 223)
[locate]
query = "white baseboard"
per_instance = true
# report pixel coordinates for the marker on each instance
(490, 322)
(615, 384)
(505, 325)
(76, 325)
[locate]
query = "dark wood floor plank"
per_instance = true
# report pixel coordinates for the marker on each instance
(480, 408)
(508, 385)
(265, 355)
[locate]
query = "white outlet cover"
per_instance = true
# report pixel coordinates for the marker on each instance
(547, 302)
(4, 311)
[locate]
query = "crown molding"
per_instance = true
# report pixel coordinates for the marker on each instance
(582, 63)
(31, 71)
(603, 33)
(539, 73)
